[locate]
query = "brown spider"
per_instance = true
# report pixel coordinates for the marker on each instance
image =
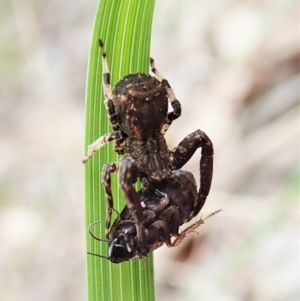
(138, 112)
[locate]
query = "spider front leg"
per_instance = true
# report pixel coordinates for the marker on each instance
(112, 114)
(171, 96)
(127, 177)
(182, 154)
(117, 134)
(106, 182)
(128, 174)
(101, 141)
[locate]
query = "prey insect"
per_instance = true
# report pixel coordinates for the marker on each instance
(163, 211)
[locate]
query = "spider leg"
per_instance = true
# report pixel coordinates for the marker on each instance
(172, 98)
(128, 174)
(182, 154)
(117, 134)
(192, 228)
(106, 182)
(112, 114)
(101, 141)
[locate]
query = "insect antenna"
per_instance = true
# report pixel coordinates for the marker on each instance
(95, 237)
(97, 255)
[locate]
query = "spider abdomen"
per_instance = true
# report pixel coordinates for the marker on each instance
(142, 104)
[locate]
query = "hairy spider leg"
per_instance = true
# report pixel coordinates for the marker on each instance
(171, 96)
(192, 228)
(128, 174)
(100, 142)
(183, 153)
(112, 114)
(106, 182)
(117, 134)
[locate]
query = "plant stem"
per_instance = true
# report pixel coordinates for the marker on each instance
(125, 28)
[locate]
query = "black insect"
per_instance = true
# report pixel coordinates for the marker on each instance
(164, 211)
(138, 112)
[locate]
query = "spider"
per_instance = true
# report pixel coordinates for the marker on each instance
(138, 112)
(163, 212)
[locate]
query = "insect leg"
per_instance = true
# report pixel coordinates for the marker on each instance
(172, 218)
(182, 154)
(172, 98)
(154, 200)
(158, 229)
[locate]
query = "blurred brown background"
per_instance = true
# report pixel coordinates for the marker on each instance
(234, 66)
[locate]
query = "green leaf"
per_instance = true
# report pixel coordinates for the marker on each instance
(125, 28)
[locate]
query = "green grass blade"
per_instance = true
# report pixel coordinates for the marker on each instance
(125, 28)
